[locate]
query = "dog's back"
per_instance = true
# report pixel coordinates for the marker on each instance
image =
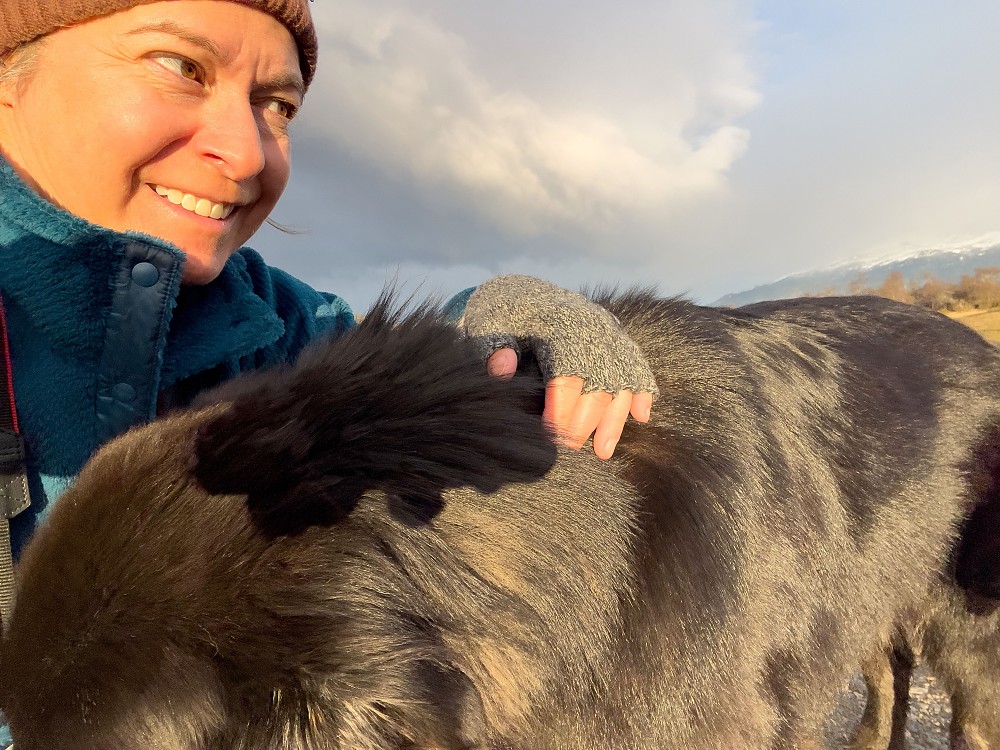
(371, 551)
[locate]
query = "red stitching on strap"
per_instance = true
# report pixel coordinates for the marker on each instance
(7, 365)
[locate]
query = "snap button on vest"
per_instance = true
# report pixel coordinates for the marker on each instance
(123, 392)
(145, 274)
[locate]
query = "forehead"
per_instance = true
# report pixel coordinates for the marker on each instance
(235, 33)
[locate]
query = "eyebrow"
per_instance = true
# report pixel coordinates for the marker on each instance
(175, 29)
(284, 81)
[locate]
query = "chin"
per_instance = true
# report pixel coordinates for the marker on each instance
(200, 279)
(199, 271)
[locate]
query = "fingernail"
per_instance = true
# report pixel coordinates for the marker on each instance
(609, 447)
(495, 367)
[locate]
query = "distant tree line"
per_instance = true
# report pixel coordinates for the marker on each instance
(979, 290)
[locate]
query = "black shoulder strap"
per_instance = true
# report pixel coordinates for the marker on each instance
(13, 480)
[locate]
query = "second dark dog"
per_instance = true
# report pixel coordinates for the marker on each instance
(374, 551)
(962, 649)
(956, 633)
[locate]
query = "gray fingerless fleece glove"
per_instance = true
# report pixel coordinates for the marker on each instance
(569, 334)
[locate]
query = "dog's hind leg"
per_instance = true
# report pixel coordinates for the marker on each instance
(975, 718)
(963, 733)
(875, 728)
(902, 661)
(963, 652)
(887, 674)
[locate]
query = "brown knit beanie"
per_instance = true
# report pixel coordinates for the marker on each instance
(23, 20)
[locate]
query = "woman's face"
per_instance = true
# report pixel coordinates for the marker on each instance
(169, 119)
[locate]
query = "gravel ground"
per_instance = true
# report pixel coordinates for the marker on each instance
(927, 728)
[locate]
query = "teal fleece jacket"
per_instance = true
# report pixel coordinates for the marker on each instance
(103, 336)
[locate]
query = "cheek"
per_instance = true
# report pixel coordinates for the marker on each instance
(274, 179)
(121, 133)
(89, 165)
(93, 112)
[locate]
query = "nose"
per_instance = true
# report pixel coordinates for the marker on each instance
(231, 136)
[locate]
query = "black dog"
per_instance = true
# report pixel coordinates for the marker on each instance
(373, 550)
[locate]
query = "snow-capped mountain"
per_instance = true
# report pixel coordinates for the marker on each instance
(946, 262)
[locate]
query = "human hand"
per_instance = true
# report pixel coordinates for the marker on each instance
(573, 415)
(595, 374)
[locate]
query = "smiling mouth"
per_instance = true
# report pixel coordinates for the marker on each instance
(194, 204)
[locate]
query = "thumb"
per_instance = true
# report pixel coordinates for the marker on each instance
(502, 363)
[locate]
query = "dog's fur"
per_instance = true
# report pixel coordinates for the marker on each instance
(962, 649)
(956, 633)
(370, 551)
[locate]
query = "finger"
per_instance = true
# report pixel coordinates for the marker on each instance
(588, 414)
(642, 405)
(609, 430)
(502, 363)
(561, 397)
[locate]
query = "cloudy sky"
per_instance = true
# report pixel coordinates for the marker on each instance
(704, 146)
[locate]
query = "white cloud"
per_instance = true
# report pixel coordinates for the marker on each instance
(428, 105)
(448, 140)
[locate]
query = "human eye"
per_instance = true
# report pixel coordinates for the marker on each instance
(282, 108)
(181, 66)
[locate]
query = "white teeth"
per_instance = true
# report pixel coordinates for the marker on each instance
(200, 206)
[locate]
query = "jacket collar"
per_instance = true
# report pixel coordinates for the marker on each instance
(60, 269)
